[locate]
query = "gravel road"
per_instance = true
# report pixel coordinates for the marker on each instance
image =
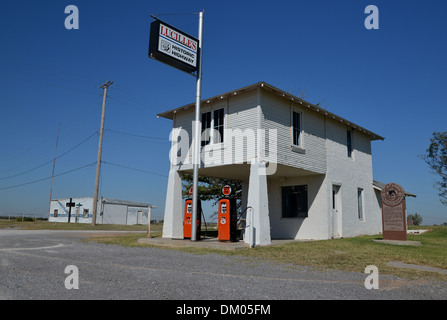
(32, 265)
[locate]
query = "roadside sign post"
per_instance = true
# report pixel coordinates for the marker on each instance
(172, 46)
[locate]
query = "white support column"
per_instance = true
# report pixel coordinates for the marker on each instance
(259, 221)
(173, 218)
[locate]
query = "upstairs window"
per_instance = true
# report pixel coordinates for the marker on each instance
(206, 125)
(296, 128)
(349, 143)
(213, 127)
(218, 125)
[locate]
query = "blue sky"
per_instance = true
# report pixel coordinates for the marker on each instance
(392, 81)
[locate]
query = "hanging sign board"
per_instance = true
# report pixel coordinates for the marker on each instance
(172, 46)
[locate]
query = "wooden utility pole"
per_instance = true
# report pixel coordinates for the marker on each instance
(52, 175)
(105, 86)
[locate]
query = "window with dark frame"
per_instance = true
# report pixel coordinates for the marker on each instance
(55, 213)
(294, 202)
(206, 124)
(296, 128)
(219, 125)
(213, 120)
(349, 142)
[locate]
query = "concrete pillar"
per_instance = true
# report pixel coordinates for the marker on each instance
(173, 218)
(258, 220)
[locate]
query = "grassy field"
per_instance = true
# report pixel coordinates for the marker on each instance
(349, 254)
(354, 254)
(45, 225)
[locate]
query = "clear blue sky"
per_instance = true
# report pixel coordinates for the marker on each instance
(392, 81)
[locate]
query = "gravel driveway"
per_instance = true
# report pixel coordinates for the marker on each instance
(32, 265)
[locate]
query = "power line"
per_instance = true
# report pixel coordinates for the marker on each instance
(136, 97)
(47, 178)
(173, 14)
(130, 104)
(135, 135)
(135, 169)
(88, 138)
(44, 164)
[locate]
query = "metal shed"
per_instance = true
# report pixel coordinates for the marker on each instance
(111, 211)
(115, 211)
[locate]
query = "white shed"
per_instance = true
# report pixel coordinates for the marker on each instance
(110, 211)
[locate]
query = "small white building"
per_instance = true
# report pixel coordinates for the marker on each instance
(307, 173)
(110, 211)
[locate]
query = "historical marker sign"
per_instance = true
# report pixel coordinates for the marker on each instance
(393, 212)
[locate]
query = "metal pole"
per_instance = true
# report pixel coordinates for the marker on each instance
(148, 235)
(252, 229)
(52, 175)
(197, 136)
(98, 162)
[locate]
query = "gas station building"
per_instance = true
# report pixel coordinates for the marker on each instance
(306, 172)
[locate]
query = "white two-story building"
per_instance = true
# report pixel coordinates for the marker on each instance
(307, 173)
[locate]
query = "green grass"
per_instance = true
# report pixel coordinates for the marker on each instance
(45, 225)
(349, 254)
(354, 254)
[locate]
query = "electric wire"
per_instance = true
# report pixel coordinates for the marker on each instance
(50, 161)
(71, 126)
(127, 104)
(174, 14)
(135, 169)
(129, 94)
(136, 135)
(47, 178)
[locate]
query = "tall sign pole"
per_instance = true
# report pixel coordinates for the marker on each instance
(197, 136)
(182, 51)
(105, 86)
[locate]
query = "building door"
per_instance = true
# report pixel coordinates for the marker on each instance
(336, 212)
(140, 217)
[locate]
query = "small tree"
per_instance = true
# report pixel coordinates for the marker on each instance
(436, 158)
(210, 188)
(416, 218)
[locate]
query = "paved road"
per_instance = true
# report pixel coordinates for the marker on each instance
(32, 265)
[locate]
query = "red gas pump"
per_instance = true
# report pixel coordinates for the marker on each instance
(227, 217)
(187, 224)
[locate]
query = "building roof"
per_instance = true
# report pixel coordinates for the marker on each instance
(380, 185)
(125, 202)
(170, 114)
(111, 201)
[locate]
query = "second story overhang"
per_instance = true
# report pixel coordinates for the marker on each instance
(283, 94)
